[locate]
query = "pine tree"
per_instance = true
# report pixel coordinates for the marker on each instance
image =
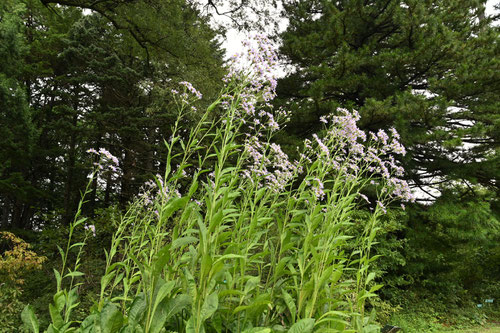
(431, 69)
(428, 68)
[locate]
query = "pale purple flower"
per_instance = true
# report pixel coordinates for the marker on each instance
(191, 89)
(382, 207)
(364, 197)
(90, 227)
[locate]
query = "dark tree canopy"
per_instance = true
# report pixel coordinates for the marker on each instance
(429, 68)
(100, 79)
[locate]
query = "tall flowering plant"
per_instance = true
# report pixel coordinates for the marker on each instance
(245, 239)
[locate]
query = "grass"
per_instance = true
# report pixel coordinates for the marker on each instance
(489, 328)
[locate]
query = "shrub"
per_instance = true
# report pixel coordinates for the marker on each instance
(16, 260)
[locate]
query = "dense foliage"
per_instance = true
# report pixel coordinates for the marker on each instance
(208, 183)
(81, 83)
(431, 70)
(255, 244)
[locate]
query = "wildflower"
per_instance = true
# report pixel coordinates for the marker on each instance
(382, 135)
(191, 89)
(108, 156)
(318, 189)
(321, 145)
(90, 227)
(106, 160)
(382, 207)
(364, 197)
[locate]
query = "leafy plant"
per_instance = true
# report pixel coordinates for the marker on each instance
(238, 238)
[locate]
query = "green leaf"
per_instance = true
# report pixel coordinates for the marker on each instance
(80, 221)
(290, 303)
(190, 326)
(230, 256)
(58, 278)
(107, 278)
(167, 309)
(302, 326)
(137, 309)
(251, 283)
(376, 287)
(163, 292)
(77, 244)
(257, 330)
(209, 306)
(57, 320)
(51, 329)
(257, 303)
(173, 206)
(89, 323)
(193, 188)
(71, 303)
(325, 277)
(175, 305)
(74, 274)
(215, 221)
(180, 242)
(29, 319)
(111, 318)
(370, 277)
(59, 300)
(161, 259)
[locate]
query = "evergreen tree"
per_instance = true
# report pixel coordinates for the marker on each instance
(82, 83)
(431, 69)
(428, 68)
(16, 128)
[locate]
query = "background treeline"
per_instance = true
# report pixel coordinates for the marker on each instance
(71, 82)
(85, 74)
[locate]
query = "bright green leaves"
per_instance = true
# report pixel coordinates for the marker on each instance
(137, 309)
(195, 324)
(209, 306)
(110, 319)
(29, 319)
(302, 326)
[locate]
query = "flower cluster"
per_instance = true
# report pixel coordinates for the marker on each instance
(318, 188)
(106, 160)
(191, 89)
(90, 228)
(262, 59)
(269, 164)
(346, 149)
(188, 95)
(259, 84)
(154, 190)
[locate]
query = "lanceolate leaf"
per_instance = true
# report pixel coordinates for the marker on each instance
(137, 309)
(209, 306)
(29, 319)
(111, 318)
(302, 326)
